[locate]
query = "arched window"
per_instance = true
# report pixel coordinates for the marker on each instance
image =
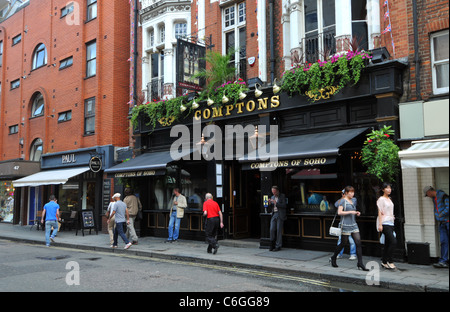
(37, 109)
(39, 56)
(36, 150)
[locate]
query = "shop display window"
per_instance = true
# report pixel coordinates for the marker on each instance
(6, 201)
(68, 196)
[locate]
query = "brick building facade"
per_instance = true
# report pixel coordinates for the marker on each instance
(420, 30)
(65, 85)
(62, 78)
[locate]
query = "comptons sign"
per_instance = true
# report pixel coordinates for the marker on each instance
(238, 108)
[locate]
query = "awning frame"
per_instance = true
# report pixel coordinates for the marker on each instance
(50, 177)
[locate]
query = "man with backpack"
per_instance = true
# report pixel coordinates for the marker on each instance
(440, 200)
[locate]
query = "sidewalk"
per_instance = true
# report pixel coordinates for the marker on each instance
(246, 254)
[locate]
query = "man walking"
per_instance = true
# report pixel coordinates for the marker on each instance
(134, 206)
(120, 212)
(440, 201)
(51, 212)
(214, 219)
(177, 205)
(278, 204)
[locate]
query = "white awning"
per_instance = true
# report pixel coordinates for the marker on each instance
(49, 177)
(425, 154)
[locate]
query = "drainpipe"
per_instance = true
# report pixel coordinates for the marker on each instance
(416, 50)
(272, 47)
(135, 56)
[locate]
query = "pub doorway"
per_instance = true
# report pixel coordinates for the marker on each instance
(245, 202)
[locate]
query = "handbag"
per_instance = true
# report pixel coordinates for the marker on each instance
(335, 231)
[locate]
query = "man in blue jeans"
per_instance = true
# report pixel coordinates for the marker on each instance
(440, 201)
(122, 217)
(51, 213)
(177, 206)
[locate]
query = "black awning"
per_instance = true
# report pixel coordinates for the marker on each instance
(148, 164)
(292, 150)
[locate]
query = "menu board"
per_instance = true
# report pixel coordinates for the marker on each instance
(87, 219)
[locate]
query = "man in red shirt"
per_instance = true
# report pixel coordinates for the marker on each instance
(214, 219)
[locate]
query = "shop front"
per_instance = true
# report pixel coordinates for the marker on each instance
(312, 151)
(9, 171)
(74, 177)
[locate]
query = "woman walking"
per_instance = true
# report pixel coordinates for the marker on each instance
(385, 225)
(347, 211)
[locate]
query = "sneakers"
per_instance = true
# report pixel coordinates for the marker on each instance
(440, 265)
(127, 246)
(52, 239)
(352, 257)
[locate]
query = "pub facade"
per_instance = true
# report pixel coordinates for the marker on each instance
(311, 151)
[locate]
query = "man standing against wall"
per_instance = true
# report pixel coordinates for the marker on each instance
(278, 204)
(441, 203)
(177, 205)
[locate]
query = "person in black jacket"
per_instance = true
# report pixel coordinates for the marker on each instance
(278, 204)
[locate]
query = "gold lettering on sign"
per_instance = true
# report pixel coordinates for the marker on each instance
(226, 110)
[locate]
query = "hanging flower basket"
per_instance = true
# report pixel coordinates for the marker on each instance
(380, 155)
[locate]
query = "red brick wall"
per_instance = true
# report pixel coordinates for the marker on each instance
(433, 16)
(65, 89)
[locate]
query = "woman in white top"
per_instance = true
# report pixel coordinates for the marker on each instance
(385, 225)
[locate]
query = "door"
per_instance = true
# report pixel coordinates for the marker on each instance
(238, 202)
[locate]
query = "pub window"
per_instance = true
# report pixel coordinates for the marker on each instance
(65, 116)
(359, 24)
(320, 29)
(91, 9)
(440, 62)
(39, 56)
(162, 34)
(89, 116)
(16, 39)
(234, 25)
(151, 38)
(14, 129)
(180, 30)
(91, 59)
(67, 62)
(15, 84)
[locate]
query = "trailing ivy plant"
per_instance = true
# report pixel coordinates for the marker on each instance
(220, 76)
(380, 155)
(337, 72)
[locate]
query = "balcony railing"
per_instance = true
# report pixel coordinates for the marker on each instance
(155, 90)
(319, 46)
(147, 3)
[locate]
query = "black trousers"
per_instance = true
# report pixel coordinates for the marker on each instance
(390, 242)
(212, 226)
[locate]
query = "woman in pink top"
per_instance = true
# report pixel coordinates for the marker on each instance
(385, 225)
